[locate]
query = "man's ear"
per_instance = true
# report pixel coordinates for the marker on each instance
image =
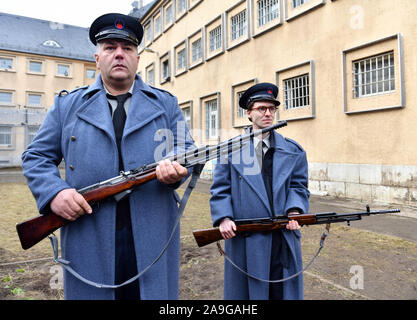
(96, 57)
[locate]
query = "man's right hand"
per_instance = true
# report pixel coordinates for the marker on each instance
(70, 205)
(226, 228)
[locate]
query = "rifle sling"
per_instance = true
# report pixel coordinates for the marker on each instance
(322, 238)
(66, 264)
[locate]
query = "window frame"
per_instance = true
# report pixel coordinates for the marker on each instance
(239, 122)
(218, 21)
(165, 57)
(292, 13)
(198, 35)
(14, 63)
(299, 113)
(202, 112)
(7, 146)
(383, 101)
(62, 63)
(182, 46)
(150, 67)
(13, 101)
(42, 99)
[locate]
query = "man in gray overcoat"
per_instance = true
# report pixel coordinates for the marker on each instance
(116, 124)
(274, 183)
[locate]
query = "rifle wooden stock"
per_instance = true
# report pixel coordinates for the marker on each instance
(36, 229)
(206, 236)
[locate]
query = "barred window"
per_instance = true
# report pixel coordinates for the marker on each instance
(374, 75)
(5, 136)
(181, 59)
(211, 118)
(238, 24)
(240, 111)
(215, 37)
(196, 50)
(297, 92)
(297, 3)
(267, 11)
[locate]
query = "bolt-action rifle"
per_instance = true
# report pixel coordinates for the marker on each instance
(207, 236)
(34, 230)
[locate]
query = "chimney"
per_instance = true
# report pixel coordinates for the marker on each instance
(137, 4)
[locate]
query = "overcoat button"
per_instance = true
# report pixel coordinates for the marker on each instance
(71, 167)
(73, 138)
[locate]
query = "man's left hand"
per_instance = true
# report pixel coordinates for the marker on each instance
(170, 172)
(293, 224)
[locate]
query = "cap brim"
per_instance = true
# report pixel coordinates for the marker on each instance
(263, 98)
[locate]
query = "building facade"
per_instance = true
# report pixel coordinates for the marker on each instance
(38, 59)
(345, 71)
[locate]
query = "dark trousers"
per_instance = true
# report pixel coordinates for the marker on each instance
(126, 267)
(278, 254)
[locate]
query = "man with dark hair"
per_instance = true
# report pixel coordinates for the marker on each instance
(100, 131)
(277, 187)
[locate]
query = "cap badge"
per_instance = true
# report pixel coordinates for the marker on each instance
(119, 24)
(270, 91)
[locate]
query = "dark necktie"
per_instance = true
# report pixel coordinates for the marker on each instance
(259, 150)
(119, 119)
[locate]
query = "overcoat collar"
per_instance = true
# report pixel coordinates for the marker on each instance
(283, 163)
(143, 107)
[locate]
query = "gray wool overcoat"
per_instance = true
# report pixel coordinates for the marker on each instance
(238, 192)
(79, 129)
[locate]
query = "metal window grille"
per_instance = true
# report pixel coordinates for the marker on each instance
(196, 50)
(5, 136)
(238, 24)
(297, 92)
(215, 36)
(34, 100)
(374, 75)
(211, 118)
(181, 5)
(6, 97)
(297, 3)
(267, 11)
(181, 59)
(241, 113)
(169, 15)
(6, 63)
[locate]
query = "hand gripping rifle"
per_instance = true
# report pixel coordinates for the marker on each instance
(34, 230)
(207, 236)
